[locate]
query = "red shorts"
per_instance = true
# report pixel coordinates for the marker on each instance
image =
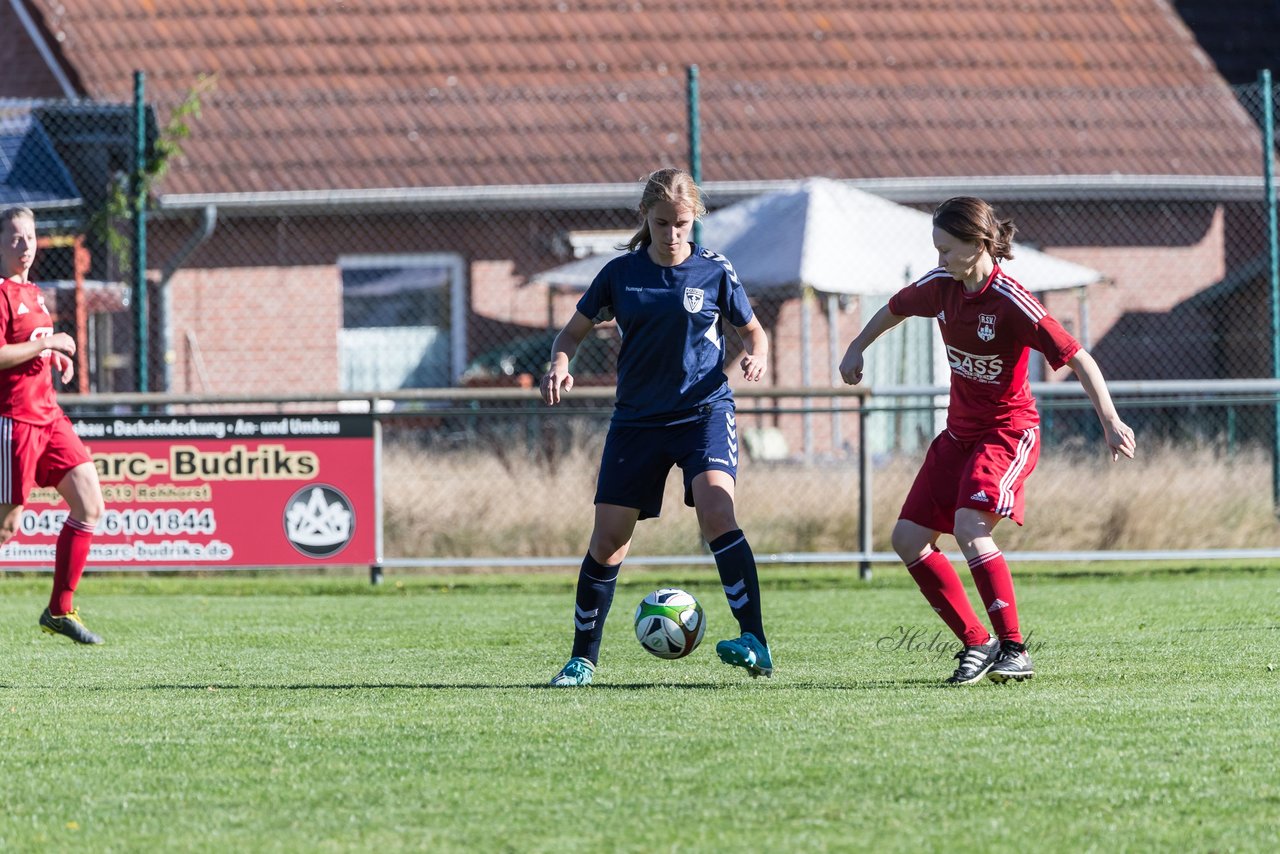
(986, 474)
(36, 455)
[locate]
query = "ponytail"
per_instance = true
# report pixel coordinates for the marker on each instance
(973, 220)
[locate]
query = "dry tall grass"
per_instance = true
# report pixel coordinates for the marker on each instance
(472, 503)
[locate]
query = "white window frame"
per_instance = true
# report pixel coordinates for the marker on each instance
(457, 268)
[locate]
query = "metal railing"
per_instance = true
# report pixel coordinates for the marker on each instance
(862, 404)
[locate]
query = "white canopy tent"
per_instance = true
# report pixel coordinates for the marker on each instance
(835, 239)
(827, 237)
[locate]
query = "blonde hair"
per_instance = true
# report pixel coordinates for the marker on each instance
(17, 212)
(665, 185)
(975, 221)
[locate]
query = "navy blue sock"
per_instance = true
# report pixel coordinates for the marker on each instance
(737, 566)
(596, 583)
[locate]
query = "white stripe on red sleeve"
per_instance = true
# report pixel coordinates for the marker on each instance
(936, 273)
(1020, 297)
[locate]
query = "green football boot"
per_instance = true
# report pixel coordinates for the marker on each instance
(575, 674)
(748, 653)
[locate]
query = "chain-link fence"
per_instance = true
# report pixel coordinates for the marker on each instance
(516, 479)
(384, 288)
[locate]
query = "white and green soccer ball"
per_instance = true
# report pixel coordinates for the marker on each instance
(670, 623)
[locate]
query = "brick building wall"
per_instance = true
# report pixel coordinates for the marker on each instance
(269, 330)
(1151, 265)
(1134, 328)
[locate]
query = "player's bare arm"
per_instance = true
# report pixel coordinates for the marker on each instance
(12, 355)
(557, 379)
(852, 363)
(1118, 435)
(755, 344)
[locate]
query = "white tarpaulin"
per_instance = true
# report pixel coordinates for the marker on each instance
(835, 239)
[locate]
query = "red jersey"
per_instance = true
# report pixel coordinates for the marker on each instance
(989, 336)
(26, 390)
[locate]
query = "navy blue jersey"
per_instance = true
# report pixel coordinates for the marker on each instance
(672, 357)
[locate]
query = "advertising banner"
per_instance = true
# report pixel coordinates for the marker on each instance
(207, 491)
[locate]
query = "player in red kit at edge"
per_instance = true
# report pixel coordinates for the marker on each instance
(38, 446)
(973, 473)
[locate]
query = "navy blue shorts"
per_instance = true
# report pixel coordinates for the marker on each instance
(636, 460)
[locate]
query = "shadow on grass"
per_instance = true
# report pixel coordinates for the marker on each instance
(1229, 629)
(870, 685)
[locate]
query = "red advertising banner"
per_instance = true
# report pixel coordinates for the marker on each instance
(219, 491)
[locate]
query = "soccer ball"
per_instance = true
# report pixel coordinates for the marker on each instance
(669, 623)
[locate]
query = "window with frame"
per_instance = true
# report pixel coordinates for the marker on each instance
(403, 321)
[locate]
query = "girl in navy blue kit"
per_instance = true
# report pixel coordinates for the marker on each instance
(674, 407)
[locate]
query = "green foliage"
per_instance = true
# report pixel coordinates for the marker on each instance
(282, 713)
(105, 223)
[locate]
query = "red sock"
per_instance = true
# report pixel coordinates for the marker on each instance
(68, 564)
(995, 585)
(941, 586)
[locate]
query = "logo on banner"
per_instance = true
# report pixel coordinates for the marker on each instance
(693, 300)
(986, 326)
(318, 521)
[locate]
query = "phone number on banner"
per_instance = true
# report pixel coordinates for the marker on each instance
(126, 523)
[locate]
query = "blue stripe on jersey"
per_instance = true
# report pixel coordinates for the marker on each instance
(672, 357)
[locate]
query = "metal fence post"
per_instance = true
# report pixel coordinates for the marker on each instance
(695, 141)
(864, 492)
(379, 517)
(1273, 267)
(138, 198)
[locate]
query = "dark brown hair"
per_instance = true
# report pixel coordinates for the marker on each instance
(975, 221)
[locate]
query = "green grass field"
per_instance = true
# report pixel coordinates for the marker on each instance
(288, 713)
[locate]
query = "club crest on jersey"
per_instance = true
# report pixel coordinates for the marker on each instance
(986, 326)
(693, 300)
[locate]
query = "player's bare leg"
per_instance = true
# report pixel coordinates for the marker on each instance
(83, 494)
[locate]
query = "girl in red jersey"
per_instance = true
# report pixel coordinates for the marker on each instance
(973, 473)
(38, 446)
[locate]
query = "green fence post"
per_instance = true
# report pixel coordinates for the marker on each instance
(1273, 252)
(695, 141)
(138, 198)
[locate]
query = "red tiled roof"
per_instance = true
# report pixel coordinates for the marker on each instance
(388, 93)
